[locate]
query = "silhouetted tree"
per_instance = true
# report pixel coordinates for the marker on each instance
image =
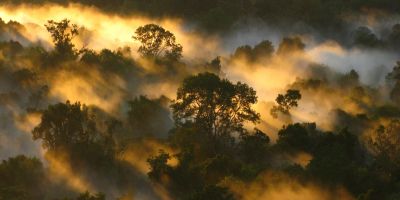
(364, 37)
(158, 166)
(22, 178)
(62, 33)
(63, 125)
(254, 147)
(296, 137)
(286, 102)
(349, 80)
(290, 45)
(385, 144)
(215, 105)
(262, 50)
(157, 42)
(214, 66)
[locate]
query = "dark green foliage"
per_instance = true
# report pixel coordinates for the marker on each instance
(158, 166)
(214, 66)
(216, 105)
(291, 45)
(149, 117)
(364, 37)
(394, 37)
(385, 144)
(254, 147)
(336, 159)
(349, 80)
(22, 178)
(286, 102)
(156, 42)
(110, 61)
(62, 33)
(65, 125)
(297, 137)
(263, 50)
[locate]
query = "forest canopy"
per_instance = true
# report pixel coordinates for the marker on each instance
(199, 100)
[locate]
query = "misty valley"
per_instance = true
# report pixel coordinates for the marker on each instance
(199, 100)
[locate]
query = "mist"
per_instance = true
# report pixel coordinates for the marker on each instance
(136, 145)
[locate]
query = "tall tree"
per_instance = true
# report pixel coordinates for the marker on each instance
(63, 125)
(62, 33)
(157, 42)
(216, 105)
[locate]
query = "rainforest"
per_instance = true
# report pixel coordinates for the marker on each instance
(199, 100)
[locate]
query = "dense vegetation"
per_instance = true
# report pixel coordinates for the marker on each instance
(207, 140)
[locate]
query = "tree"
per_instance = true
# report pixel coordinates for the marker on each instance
(148, 117)
(215, 105)
(158, 166)
(263, 49)
(290, 45)
(286, 102)
(157, 42)
(394, 37)
(243, 51)
(296, 137)
(393, 79)
(364, 37)
(386, 143)
(254, 147)
(22, 178)
(62, 34)
(63, 125)
(337, 160)
(214, 66)
(349, 80)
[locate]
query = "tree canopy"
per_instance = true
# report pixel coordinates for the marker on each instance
(216, 105)
(286, 102)
(64, 125)
(157, 42)
(62, 33)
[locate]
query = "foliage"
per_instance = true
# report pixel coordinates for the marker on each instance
(149, 117)
(157, 42)
(290, 45)
(158, 166)
(62, 33)
(263, 50)
(63, 125)
(286, 102)
(216, 105)
(22, 178)
(363, 37)
(254, 146)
